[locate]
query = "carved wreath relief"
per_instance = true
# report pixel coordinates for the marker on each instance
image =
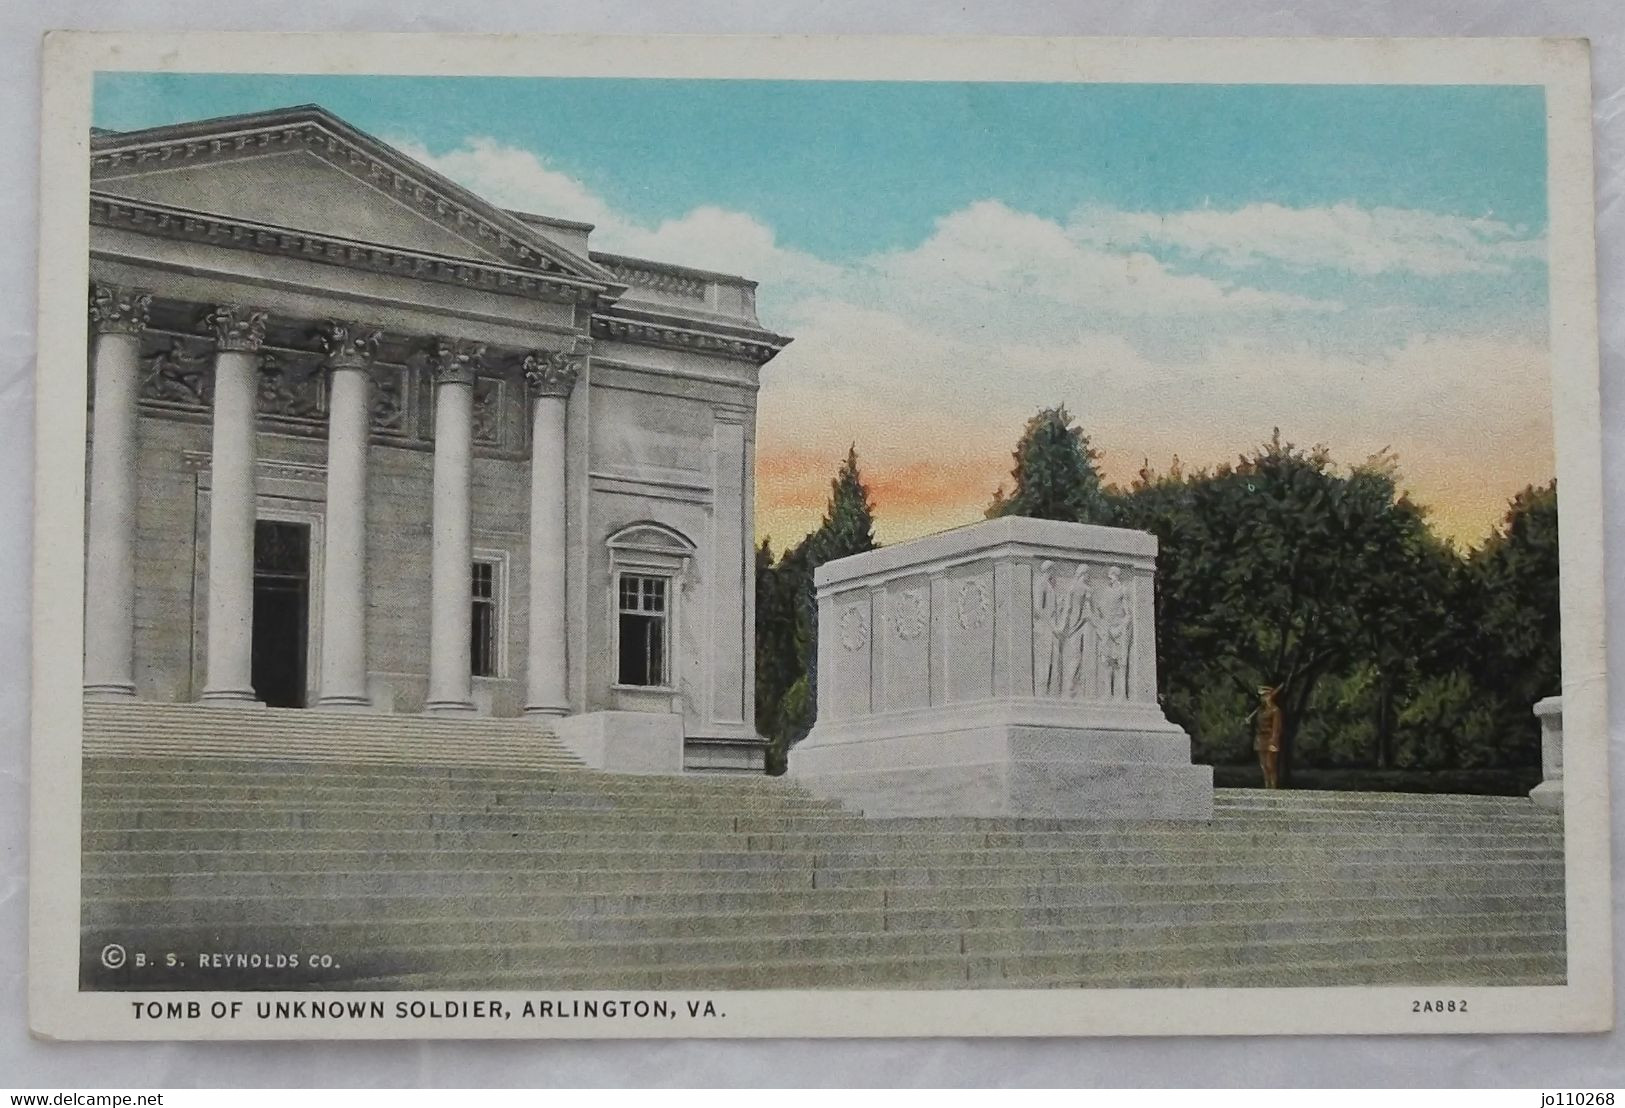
(1083, 626)
(854, 629)
(972, 605)
(911, 612)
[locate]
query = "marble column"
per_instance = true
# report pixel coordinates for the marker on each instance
(455, 365)
(350, 351)
(117, 317)
(228, 670)
(550, 376)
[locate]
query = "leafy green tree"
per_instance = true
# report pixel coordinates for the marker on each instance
(1516, 575)
(1517, 640)
(1055, 474)
(1279, 570)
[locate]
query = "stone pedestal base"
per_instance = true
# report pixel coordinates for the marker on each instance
(1007, 769)
(1548, 794)
(711, 755)
(625, 742)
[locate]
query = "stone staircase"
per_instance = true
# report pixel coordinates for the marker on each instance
(354, 737)
(440, 876)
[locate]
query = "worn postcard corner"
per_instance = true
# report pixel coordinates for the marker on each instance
(644, 537)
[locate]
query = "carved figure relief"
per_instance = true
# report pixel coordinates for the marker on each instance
(179, 372)
(973, 605)
(911, 611)
(291, 386)
(1082, 633)
(488, 423)
(1113, 629)
(854, 629)
(1063, 613)
(388, 399)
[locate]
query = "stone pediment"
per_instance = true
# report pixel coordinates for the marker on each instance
(306, 170)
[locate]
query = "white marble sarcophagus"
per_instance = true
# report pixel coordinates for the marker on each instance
(1007, 668)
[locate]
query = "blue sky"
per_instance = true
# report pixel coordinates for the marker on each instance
(1337, 260)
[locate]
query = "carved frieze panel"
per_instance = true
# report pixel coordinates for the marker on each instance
(658, 280)
(972, 604)
(391, 402)
(854, 628)
(1083, 628)
(292, 385)
(911, 613)
(490, 412)
(177, 371)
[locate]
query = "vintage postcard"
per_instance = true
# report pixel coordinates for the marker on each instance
(588, 536)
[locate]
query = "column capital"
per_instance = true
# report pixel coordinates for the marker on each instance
(349, 345)
(115, 309)
(456, 361)
(236, 327)
(552, 372)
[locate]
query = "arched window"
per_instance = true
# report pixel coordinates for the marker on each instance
(648, 563)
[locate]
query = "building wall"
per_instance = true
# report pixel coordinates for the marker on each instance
(651, 454)
(670, 441)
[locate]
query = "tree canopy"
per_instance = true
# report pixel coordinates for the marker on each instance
(1055, 475)
(1391, 648)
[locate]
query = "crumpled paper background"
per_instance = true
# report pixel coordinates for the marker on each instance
(1559, 1062)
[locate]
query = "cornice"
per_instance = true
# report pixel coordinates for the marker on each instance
(163, 221)
(749, 345)
(324, 135)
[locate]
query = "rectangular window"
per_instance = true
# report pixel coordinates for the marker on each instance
(483, 652)
(643, 613)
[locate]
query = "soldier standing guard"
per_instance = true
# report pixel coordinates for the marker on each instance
(1267, 738)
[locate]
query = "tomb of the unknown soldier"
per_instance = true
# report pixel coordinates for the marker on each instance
(1006, 668)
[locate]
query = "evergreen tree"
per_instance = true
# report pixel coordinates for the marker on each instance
(787, 658)
(1055, 475)
(849, 518)
(776, 658)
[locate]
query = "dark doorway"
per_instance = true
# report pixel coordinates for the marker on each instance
(281, 611)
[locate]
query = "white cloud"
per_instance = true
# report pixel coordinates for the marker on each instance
(937, 354)
(707, 237)
(1346, 237)
(515, 178)
(988, 259)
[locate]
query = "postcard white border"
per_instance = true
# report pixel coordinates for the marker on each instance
(1585, 1003)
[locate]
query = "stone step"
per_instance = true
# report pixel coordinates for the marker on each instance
(1029, 951)
(1490, 969)
(110, 813)
(315, 793)
(735, 912)
(508, 969)
(896, 880)
(678, 793)
(1224, 841)
(1503, 970)
(224, 734)
(1328, 798)
(148, 770)
(297, 720)
(633, 936)
(673, 805)
(1303, 861)
(339, 748)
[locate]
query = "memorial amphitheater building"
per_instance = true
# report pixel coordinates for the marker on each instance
(363, 441)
